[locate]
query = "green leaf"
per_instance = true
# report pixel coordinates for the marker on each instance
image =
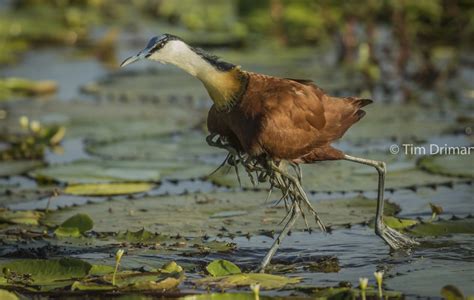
(226, 296)
(48, 271)
(99, 270)
(16, 167)
(6, 295)
(80, 221)
(266, 281)
(451, 292)
(26, 217)
(222, 267)
(444, 227)
(104, 189)
(396, 223)
(171, 267)
(67, 232)
(141, 236)
(449, 165)
(75, 226)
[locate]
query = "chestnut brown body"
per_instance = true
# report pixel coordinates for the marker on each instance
(286, 119)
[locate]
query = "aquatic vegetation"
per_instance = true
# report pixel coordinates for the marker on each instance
(222, 268)
(25, 217)
(379, 278)
(75, 226)
(105, 189)
(363, 286)
(16, 87)
(266, 281)
(118, 257)
(32, 142)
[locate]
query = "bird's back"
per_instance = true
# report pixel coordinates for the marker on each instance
(287, 119)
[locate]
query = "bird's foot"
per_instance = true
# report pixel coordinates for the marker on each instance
(395, 239)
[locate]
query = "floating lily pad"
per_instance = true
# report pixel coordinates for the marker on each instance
(166, 213)
(222, 267)
(46, 272)
(102, 121)
(444, 227)
(449, 165)
(17, 167)
(182, 147)
(226, 296)
(25, 217)
(89, 171)
(105, 189)
(397, 223)
(75, 226)
(403, 122)
(166, 278)
(108, 171)
(266, 281)
(141, 236)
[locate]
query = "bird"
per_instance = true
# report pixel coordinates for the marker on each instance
(271, 125)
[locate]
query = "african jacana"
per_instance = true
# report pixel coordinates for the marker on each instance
(264, 121)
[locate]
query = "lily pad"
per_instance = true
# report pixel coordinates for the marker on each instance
(166, 278)
(89, 171)
(75, 226)
(266, 281)
(6, 295)
(17, 167)
(189, 146)
(222, 267)
(402, 122)
(141, 236)
(45, 272)
(166, 213)
(449, 165)
(26, 217)
(444, 227)
(102, 121)
(113, 171)
(105, 189)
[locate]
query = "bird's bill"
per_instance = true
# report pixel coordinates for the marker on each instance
(133, 59)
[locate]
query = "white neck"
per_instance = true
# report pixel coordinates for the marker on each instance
(222, 86)
(180, 54)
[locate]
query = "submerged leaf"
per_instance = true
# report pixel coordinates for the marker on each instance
(104, 189)
(266, 281)
(222, 267)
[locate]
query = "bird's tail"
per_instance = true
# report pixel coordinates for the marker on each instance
(358, 103)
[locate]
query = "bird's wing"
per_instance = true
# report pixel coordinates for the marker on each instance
(292, 115)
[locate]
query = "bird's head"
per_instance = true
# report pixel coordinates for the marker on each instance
(161, 48)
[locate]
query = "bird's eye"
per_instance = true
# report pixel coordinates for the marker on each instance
(161, 45)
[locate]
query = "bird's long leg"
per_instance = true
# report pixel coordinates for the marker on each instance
(295, 212)
(393, 238)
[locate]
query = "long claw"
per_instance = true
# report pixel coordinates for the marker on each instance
(395, 239)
